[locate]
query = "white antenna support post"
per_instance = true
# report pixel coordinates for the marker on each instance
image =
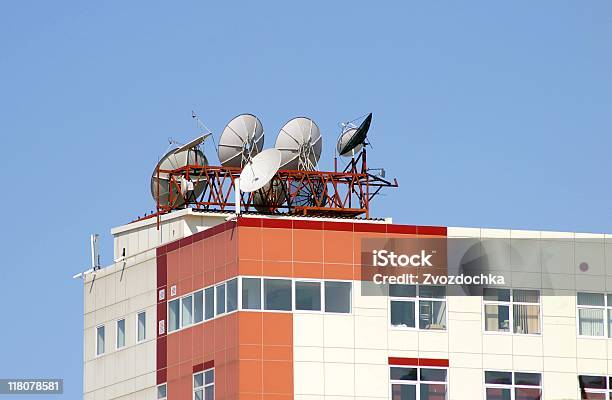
(95, 251)
(237, 195)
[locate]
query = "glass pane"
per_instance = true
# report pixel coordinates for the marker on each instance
(100, 340)
(232, 295)
(593, 396)
(402, 314)
(173, 315)
(433, 391)
(308, 296)
(610, 328)
(186, 309)
(592, 382)
(220, 299)
(198, 394)
(527, 379)
(209, 393)
(198, 380)
(432, 292)
(120, 333)
(591, 321)
(198, 307)
(491, 294)
(432, 314)
(403, 392)
(527, 394)
(498, 377)
(610, 300)
(591, 299)
(251, 294)
(497, 318)
(277, 294)
(161, 392)
(403, 374)
(526, 296)
(499, 394)
(526, 319)
(402, 290)
(209, 376)
(142, 325)
(209, 303)
(433, 375)
(338, 297)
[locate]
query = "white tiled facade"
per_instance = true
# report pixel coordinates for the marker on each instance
(347, 356)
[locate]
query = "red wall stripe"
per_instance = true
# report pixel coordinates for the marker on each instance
(422, 362)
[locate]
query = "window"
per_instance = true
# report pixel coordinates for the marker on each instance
(162, 392)
(432, 307)
(220, 299)
(592, 314)
(412, 383)
(308, 296)
(198, 307)
(505, 385)
(251, 293)
(338, 297)
(186, 311)
(594, 387)
(403, 304)
(431, 301)
(204, 385)
(518, 310)
(173, 315)
(277, 294)
(142, 326)
(209, 303)
(232, 295)
(121, 333)
(100, 340)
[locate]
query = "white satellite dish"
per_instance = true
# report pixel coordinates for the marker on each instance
(160, 182)
(241, 140)
(195, 142)
(300, 144)
(260, 170)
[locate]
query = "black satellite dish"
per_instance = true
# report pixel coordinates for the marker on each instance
(353, 138)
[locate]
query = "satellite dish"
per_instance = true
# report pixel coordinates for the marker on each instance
(260, 170)
(352, 139)
(193, 143)
(300, 144)
(240, 141)
(174, 159)
(270, 196)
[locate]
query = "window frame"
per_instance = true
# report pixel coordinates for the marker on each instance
(416, 300)
(607, 311)
(607, 391)
(165, 384)
(204, 384)
(512, 386)
(98, 353)
(511, 303)
(138, 326)
(117, 347)
(321, 296)
(418, 381)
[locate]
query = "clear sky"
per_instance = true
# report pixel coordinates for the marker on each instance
(494, 114)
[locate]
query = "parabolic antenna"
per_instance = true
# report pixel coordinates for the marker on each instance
(300, 144)
(174, 159)
(260, 170)
(240, 141)
(352, 139)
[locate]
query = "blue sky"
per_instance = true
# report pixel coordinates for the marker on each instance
(493, 114)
